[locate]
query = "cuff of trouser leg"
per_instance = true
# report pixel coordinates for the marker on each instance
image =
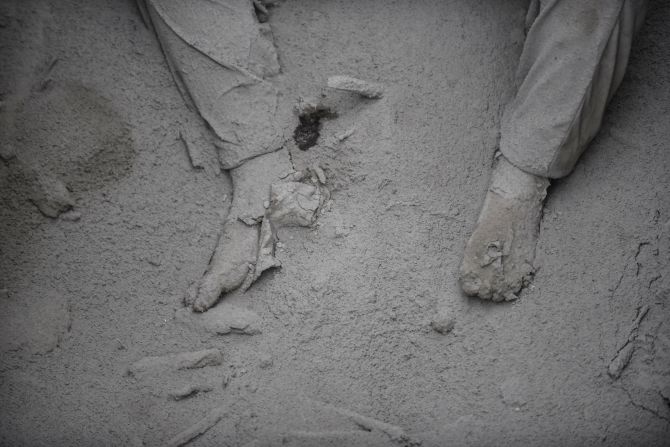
(552, 171)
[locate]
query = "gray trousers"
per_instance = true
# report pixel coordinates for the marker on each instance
(574, 59)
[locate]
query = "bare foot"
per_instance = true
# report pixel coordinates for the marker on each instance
(231, 262)
(498, 259)
(236, 257)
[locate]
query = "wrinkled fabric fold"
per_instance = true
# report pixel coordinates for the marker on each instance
(221, 59)
(574, 59)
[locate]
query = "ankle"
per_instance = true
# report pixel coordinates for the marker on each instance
(510, 182)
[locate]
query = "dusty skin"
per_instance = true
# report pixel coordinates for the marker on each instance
(498, 258)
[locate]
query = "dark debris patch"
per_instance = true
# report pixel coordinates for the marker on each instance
(307, 133)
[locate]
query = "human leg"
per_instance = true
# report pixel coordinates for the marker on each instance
(573, 61)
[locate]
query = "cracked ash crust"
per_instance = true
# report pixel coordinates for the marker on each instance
(498, 258)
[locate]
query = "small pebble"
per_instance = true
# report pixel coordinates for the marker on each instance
(321, 176)
(364, 88)
(442, 324)
(188, 391)
(344, 135)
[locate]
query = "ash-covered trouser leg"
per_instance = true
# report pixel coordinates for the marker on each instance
(223, 61)
(574, 59)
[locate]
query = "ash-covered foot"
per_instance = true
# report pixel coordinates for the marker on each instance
(231, 262)
(498, 259)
